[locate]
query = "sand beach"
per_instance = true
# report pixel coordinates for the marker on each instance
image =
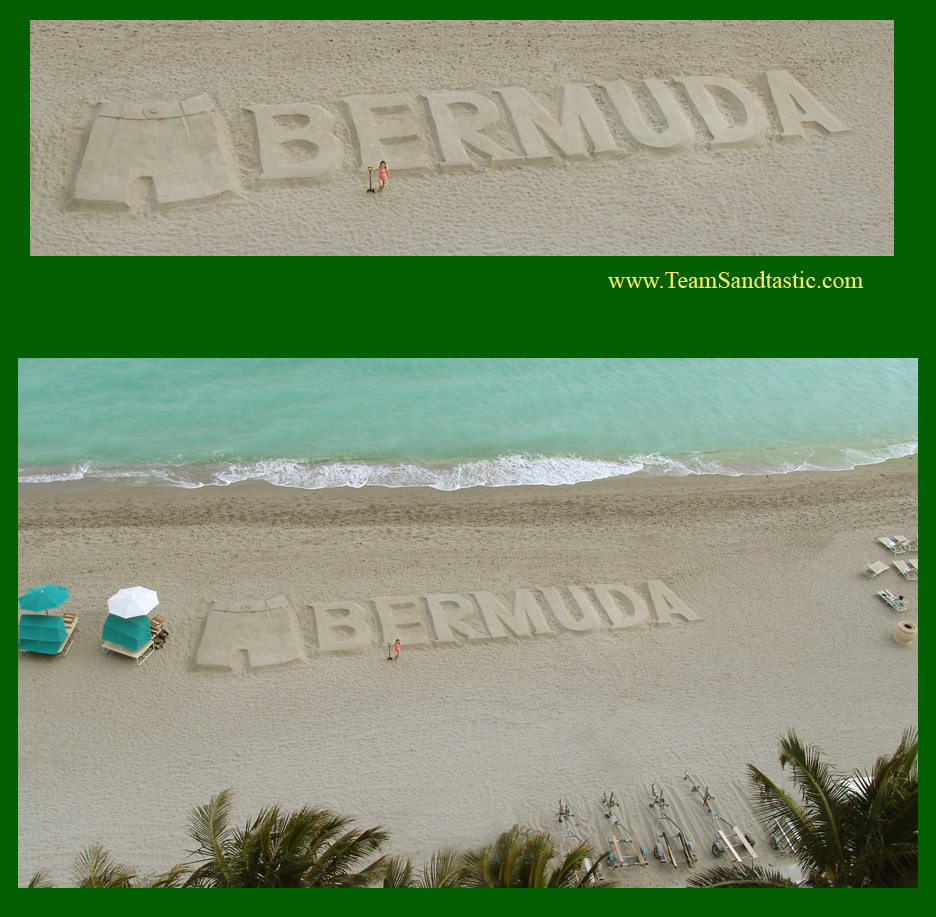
(503, 137)
(686, 623)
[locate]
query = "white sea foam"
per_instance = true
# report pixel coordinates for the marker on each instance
(504, 471)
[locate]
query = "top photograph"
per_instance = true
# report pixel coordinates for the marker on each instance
(635, 138)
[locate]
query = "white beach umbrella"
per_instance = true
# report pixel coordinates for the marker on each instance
(132, 602)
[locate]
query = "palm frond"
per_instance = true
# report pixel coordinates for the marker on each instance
(825, 794)
(208, 827)
(398, 873)
(172, 878)
(94, 868)
(883, 819)
(847, 831)
(571, 870)
(336, 864)
(740, 876)
(444, 870)
(42, 879)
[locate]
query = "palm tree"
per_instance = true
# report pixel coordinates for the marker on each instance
(520, 858)
(95, 868)
(307, 848)
(444, 870)
(847, 831)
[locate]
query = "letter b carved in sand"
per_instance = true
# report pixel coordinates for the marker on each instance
(296, 141)
(341, 627)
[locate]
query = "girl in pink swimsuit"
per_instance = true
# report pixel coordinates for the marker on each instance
(382, 175)
(396, 646)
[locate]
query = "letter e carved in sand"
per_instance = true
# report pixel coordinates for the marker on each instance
(386, 127)
(401, 618)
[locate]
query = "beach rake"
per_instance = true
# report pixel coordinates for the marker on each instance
(621, 838)
(669, 832)
(743, 845)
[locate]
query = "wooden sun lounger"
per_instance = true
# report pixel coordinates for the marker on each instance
(70, 619)
(906, 570)
(141, 655)
(872, 570)
(896, 543)
(894, 601)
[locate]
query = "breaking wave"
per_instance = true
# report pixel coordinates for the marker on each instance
(504, 471)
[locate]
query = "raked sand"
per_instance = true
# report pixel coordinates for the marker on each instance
(813, 189)
(453, 744)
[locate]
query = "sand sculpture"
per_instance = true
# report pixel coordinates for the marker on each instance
(266, 631)
(263, 630)
(182, 146)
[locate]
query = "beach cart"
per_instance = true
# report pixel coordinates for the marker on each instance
(782, 837)
(669, 834)
(571, 840)
(623, 849)
(728, 837)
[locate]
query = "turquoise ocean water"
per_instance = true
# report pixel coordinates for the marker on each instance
(453, 423)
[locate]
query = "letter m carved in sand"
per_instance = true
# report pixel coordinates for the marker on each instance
(262, 630)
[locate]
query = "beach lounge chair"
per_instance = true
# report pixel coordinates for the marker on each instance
(913, 566)
(48, 635)
(895, 601)
(872, 570)
(896, 543)
(913, 544)
(908, 571)
(131, 637)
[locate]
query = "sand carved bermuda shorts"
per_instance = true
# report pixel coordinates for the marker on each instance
(177, 144)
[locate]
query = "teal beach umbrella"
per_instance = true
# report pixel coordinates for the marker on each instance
(42, 598)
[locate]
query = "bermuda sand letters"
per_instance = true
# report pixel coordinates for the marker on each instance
(267, 631)
(185, 150)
